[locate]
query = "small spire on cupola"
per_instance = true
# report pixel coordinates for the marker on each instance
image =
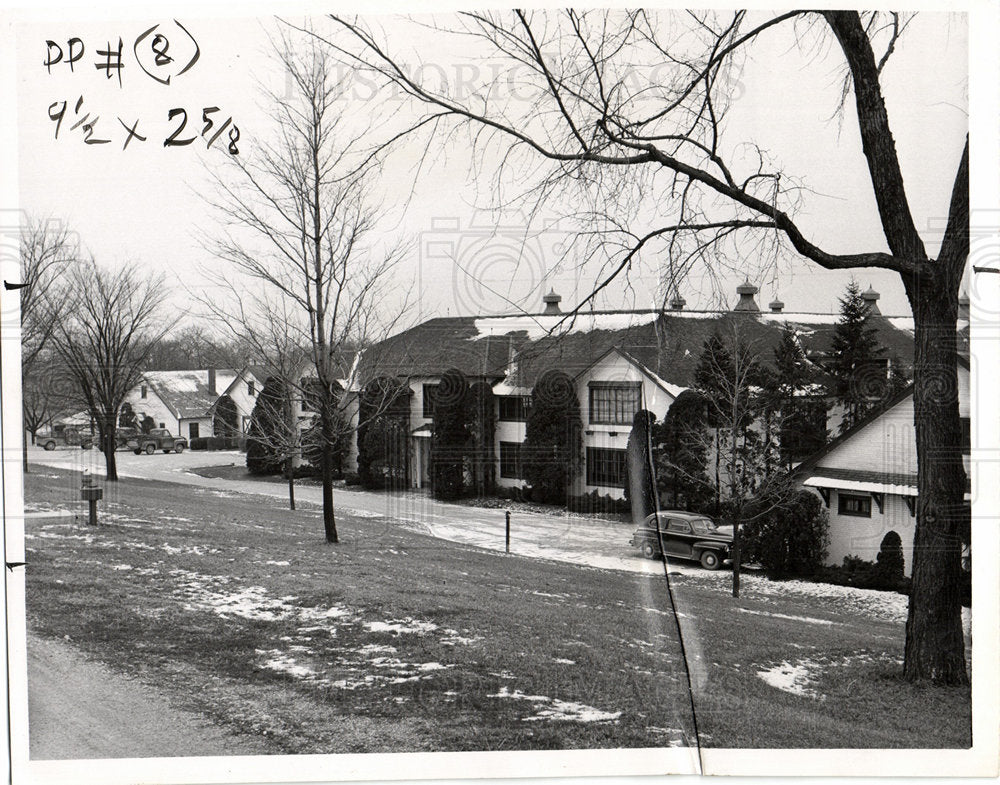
(746, 303)
(776, 305)
(677, 302)
(871, 301)
(551, 301)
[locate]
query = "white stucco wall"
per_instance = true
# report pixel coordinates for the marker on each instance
(857, 536)
(613, 368)
(154, 407)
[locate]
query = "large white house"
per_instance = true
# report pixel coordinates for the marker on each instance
(620, 361)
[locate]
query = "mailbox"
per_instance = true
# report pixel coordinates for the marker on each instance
(91, 494)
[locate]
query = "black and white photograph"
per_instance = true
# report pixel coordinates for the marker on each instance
(441, 393)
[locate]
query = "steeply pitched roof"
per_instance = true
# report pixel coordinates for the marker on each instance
(186, 393)
(810, 463)
(666, 343)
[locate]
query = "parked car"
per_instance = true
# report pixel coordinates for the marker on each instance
(684, 535)
(65, 437)
(157, 439)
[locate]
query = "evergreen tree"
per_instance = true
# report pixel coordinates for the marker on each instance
(715, 367)
(640, 488)
(798, 413)
(450, 441)
(856, 359)
(127, 417)
(383, 414)
(480, 420)
(553, 440)
(266, 426)
(680, 449)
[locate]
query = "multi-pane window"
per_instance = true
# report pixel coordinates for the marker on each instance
(513, 408)
(614, 403)
(510, 461)
(194, 430)
(250, 388)
(606, 467)
(142, 391)
(430, 391)
(851, 504)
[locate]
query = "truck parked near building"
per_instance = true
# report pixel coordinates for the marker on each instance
(157, 439)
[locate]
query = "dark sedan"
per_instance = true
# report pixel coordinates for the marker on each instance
(684, 535)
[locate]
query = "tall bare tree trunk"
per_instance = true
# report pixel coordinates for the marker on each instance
(934, 639)
(108, 448)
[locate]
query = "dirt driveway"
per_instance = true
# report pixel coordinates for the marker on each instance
(81, 709)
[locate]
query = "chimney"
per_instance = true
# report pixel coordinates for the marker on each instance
(963, 306)
(211, 382)
(551, 301)
(776, 306)
(747, 304)
(677, 303)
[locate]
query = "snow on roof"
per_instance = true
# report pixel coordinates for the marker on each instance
(856, 485)
(541, 326)
(803, 318)
(506, 388)
(186, 393)
(901, 322)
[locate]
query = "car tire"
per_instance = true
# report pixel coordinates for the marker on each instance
(150, 449)
(137, 451)
(49, 446)
(710, 560)
(178, 448)
(649, 550)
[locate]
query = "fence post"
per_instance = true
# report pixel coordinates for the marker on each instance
(507, 546)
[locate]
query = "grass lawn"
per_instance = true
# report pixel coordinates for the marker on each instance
(394, 641)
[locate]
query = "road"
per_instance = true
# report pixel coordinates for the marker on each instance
(80, 709)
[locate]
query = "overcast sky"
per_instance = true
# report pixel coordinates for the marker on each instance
(144, 203)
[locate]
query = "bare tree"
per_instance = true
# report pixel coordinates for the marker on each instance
(47, 250)
(47, 392)
(743, 434)
(300, 221)
(631, 104)
(105, 340)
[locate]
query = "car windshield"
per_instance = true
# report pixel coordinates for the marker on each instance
(704, 526)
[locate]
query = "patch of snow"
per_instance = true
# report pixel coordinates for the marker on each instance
(121, 567)
(401, 626)
(284, 663)
(278, 563)
(552, 709)
(375, 648)
(564, 661)
(808, 619)
(796, 678)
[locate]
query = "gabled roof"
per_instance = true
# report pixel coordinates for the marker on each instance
(671, 389)
(810, 463)
(520, 347)
(186, 393)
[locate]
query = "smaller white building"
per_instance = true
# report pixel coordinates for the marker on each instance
(867, 477)
(186, 402)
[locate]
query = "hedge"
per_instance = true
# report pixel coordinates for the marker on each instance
(215, 443)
